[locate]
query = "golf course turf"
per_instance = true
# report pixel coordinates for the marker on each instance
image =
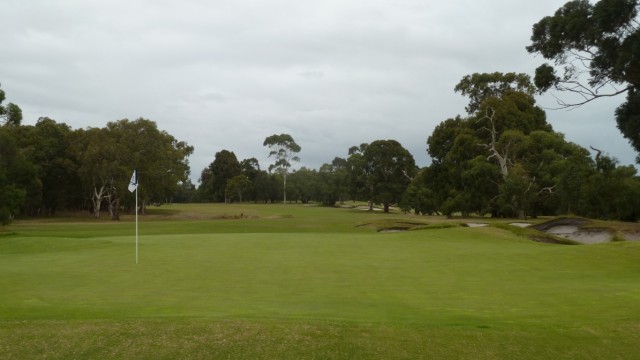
(308, 282)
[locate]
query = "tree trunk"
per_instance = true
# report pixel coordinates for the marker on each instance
(284, 187)
(96, 199)
(522, 215)
(386, 207)
(503, 159)
(115, 209)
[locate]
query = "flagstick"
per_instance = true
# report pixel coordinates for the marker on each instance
(136, 223)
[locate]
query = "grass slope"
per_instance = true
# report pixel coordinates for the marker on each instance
(275, 281)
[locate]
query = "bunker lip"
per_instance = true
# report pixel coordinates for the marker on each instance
(574, 222)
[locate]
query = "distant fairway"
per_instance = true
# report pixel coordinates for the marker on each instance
(276, 281)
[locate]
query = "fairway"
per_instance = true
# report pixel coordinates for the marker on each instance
(293, 281)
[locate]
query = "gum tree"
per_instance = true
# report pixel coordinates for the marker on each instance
(284, 150)
(597, 48)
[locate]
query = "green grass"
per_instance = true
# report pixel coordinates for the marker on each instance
(292, 281)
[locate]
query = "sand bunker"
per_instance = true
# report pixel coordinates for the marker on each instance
(582, 236)
(571, 229)
(477, 224)
(631, 236)
(563, 230)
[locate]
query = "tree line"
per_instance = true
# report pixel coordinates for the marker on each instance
(49, 167)
(502, 158)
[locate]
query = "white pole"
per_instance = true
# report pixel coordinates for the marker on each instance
(137, 218)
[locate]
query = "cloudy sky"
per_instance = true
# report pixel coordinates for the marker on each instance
(225, 74)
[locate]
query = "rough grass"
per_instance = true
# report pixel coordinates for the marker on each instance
(309, 282)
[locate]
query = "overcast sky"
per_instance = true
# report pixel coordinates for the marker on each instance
(227, 74)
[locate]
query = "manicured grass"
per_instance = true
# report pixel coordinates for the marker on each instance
(292, 281)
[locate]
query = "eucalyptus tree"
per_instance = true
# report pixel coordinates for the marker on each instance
(161, 159)
(10, 114)
(236, 186)
(596, 46)
(358, 173)
(334, 181)
(224, 167)
(284, 150)
(12, 171)
(303, 185)
(504, 158)
(251, 169)
(18, 176)
(389, 168)
(108, 155)
(47, 144)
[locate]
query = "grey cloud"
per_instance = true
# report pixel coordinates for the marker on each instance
(227, 74)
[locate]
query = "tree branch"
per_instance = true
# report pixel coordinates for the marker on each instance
(588, 96)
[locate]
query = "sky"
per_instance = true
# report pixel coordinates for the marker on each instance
(226, 74)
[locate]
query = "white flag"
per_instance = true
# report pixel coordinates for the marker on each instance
(133, 183)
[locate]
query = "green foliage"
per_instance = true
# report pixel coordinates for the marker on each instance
(601, 40)
(11, 113)
(48, 145)
(215, 179)
(499, 159)
(236, 186)
(628, 119)
(19, 184)
(283, 149)
(479, 87)
(108, 155)
(388, 169)
(506, 160)
(602, 35)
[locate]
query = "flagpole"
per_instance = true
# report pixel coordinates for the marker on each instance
(136, 221)
(133, 186)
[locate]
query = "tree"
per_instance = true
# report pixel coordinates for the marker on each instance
(599, 42)
(224, 167)
(17, 174)
(284, 149)
(503, 159)
(479, 87)
(48, 146)
(12, 192)
(609, 191)
(390, 169)
(419, 197)
(108, 155)
(628, 119)
(251, 169)
(267, 187)
(333, 182)
(11, 113)
(303, 185)
(236, 186)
